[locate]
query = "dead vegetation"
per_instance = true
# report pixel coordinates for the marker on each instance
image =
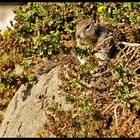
(105, 102)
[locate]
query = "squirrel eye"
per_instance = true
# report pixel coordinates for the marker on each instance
(87, 27)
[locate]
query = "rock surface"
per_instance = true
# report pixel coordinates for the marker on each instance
(25, 114)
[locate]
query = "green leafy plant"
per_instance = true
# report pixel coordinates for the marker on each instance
(47, 30)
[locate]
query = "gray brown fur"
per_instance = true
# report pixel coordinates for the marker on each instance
(46, 67)
(93, 33)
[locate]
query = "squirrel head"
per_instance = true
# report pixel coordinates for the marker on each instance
(87, 30)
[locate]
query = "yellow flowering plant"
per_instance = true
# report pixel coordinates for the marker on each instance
(102, 8)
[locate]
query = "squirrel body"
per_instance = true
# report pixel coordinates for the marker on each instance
(90, 33)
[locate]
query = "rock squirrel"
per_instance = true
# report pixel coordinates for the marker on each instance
(102, 38)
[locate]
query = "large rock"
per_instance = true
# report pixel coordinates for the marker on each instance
(25, 114)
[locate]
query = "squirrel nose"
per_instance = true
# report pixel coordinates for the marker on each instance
(78, 36)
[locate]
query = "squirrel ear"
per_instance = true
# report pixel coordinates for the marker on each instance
(95, 15)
